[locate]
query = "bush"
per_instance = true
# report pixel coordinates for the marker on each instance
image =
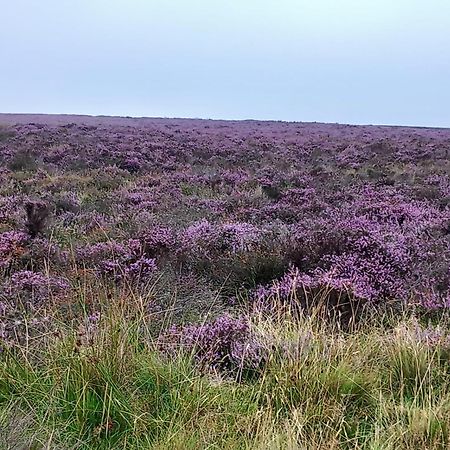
(22, 161)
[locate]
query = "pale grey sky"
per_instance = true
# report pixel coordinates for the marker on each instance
(349, 61)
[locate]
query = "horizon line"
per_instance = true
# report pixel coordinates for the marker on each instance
(127, 117)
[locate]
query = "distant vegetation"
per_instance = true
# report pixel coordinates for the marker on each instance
(200, 284)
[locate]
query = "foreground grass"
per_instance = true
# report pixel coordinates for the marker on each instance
(372, 389)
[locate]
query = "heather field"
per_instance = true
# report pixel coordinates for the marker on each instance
(198, 284)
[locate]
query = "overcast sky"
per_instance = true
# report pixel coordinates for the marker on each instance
(348, 61)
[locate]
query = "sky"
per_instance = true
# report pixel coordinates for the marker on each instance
(346, 61)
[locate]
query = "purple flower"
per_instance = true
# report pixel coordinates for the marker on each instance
(142, 268)
(94, 317)
(205, 240)
(12, 245)
(226, 344)
(158, 241)
(119, 260)
(36, 287)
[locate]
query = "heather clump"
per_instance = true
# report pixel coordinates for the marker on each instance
(158, 241)
(141, 269)
(206, 241)
(13, 244)
(34, 288)
(333, 298)
(383, 248)
(226, 344)
(118, 261)
(237, 254)
(130, 163)
(9, 214)
(43, 253)
(374, 252)
(22, 161)
(67, 202)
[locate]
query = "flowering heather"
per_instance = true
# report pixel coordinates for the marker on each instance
(9, 214)
(118, 260)
(13, 244)
(237, 203)
(226, 344)
(158, 240)
(238, 237)
(97, 254)
(142, 268)
(35, 288)
(208, 240)
(43, 252)
(301, 292)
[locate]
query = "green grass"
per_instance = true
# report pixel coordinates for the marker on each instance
(372, 389)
